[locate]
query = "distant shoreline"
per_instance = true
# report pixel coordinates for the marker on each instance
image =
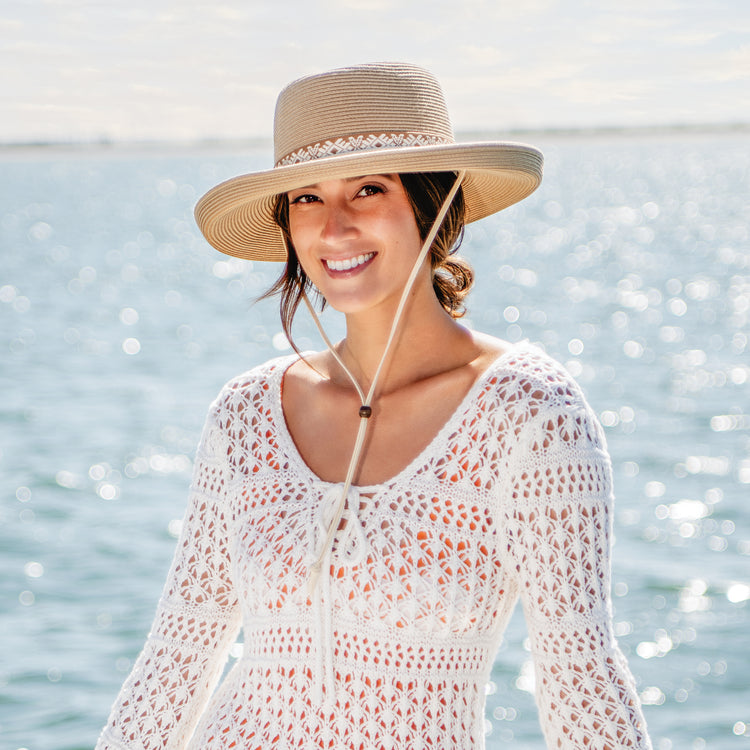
(229, 144)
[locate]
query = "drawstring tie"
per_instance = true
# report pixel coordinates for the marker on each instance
(351, 542)
(351, 549)
(324, 551)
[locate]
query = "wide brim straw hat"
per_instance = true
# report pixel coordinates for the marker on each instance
(378, 118)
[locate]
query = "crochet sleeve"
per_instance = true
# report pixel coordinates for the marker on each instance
(196, 619)
(559, 527)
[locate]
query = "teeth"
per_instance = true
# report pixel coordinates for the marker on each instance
(348, 263)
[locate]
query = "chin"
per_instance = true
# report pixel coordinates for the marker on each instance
(360, 304)
(348, 307)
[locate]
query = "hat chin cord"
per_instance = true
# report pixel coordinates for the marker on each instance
(320, 596)
(365, 411)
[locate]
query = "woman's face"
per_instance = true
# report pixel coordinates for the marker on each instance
(356, 239)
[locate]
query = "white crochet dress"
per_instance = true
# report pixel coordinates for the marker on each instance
(394, 647)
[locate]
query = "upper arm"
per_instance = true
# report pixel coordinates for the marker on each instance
(196, 619)
(558, 536)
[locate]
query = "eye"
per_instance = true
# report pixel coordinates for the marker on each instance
(303, 199)
(367, 190)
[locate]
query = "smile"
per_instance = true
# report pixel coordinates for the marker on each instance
(348, 263)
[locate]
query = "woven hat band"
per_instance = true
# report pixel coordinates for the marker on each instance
(351, 109)
(366, 142)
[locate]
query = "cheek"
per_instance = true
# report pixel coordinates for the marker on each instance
(294, 232)
(300, 236)
(304, 260)
(408, 231)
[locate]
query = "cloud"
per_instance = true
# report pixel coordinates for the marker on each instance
(726, 67)
(482, 55)
(736, 65)
(10, 26)
(692, 38)
(367, 6)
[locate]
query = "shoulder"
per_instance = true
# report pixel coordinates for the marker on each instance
(527, 373)
(252, 385)
(245, 405)
(535, 392)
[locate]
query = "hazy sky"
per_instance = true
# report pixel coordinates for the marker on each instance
(160, 69)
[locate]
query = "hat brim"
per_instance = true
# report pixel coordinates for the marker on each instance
(236, 216)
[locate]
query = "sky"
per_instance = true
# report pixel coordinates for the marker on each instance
(134, 70)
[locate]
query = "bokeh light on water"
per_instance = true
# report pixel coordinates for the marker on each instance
(118, 325)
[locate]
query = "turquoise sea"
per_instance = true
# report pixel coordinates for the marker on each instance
(118, 325)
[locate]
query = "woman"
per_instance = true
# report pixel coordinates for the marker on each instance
(371, 513)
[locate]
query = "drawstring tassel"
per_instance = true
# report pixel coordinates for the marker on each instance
(313, 577)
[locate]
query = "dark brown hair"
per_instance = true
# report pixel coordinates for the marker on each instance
(452, 276)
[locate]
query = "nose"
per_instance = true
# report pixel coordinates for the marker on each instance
(339, 222)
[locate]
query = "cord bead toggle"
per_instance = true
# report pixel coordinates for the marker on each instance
(365, 411)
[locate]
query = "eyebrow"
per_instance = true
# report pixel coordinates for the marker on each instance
(388, 176)
(384, 175)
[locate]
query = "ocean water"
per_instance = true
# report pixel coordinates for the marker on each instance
(118, 325)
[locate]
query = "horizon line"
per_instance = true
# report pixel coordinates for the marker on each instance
(104, 142)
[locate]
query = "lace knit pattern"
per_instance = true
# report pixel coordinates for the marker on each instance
(511, 499)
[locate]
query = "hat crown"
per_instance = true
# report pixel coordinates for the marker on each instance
(359, 108)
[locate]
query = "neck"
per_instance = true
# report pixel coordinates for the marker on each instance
(422, 345)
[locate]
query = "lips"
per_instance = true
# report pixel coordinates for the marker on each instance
(347, 264)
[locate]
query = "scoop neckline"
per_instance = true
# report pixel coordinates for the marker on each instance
(290, 450)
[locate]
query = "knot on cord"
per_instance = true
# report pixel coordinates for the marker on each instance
(351, 543)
